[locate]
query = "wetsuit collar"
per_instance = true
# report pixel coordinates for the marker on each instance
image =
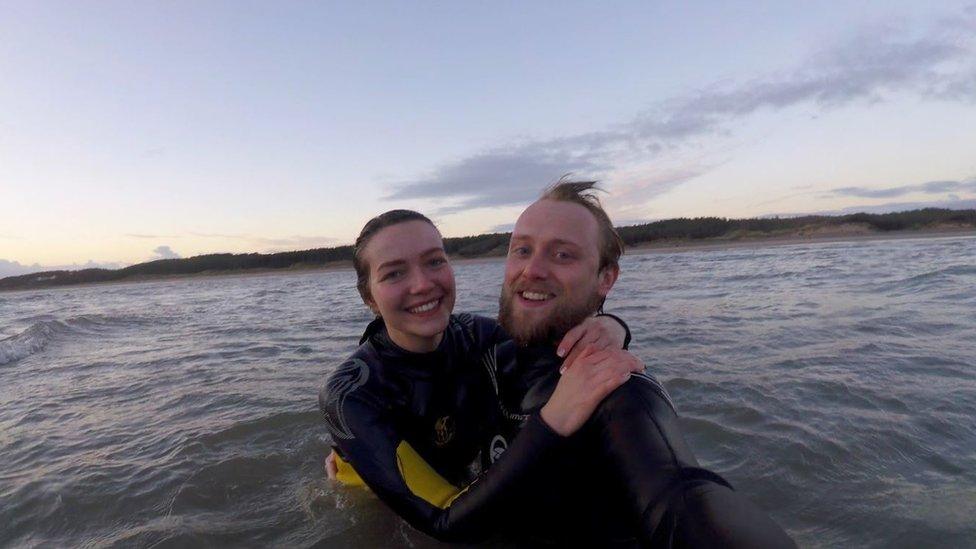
(538, 357)
(538, 368)
(422, 365)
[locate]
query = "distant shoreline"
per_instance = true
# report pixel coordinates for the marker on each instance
(755, 242)
(656, 247)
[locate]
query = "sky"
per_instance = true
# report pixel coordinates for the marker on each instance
(132, 131)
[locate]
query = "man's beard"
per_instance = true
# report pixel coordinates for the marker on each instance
(548, 330)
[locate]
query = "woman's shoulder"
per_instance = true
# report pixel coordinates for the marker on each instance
(355, 370)
(360, 376)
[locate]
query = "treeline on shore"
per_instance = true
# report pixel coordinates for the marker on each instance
(495, 244)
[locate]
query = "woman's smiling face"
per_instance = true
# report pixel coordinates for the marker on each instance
(411, 284)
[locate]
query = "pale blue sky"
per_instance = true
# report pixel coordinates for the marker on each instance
(133, 130)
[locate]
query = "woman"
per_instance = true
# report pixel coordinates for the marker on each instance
(414, 409)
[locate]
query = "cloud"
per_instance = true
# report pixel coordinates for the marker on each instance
(14, 268)
(636, 186)
(500, 177)
(952, 204)
(931, 187)
(164, 252)
(150, 236)
(503, 228)
(297, 242)
(871, 66)
(294, 242)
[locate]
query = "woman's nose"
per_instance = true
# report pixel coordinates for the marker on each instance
(420, 282)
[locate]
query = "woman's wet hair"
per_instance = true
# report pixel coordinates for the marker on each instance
(373, 226)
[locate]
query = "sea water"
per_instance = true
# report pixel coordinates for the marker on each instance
(834, 384)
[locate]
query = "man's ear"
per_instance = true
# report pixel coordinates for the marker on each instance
(607, 277)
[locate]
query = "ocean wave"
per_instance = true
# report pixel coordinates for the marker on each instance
(923, 281)
(256, 430)
(36, 337)
(29, 341)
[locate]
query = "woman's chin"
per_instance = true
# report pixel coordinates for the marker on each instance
(419, 334)
(431, 326)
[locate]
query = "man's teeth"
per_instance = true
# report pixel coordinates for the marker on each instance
(535, 296)
(425, 307)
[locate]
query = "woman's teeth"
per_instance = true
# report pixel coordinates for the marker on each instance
(535, 296)
(425, 307)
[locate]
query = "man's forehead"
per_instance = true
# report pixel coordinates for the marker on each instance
(556, 220)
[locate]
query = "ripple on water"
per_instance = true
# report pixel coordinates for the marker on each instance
(831, 383)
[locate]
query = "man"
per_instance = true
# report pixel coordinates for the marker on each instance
(561, 265)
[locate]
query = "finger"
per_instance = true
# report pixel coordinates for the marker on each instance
(618, 366)
(607, 384)
(597, 374)
(331, 467)
(578, 353)
(622, 359)
(632, 363)
(569, 340)
(632, 366)
(593, 344)
(596, 357)
(614, 331)
(571, 359)
(600, 338)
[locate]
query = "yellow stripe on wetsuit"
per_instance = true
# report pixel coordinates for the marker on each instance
(418, 475)
(346, 474)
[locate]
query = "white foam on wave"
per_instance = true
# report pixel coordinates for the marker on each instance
(30, 341)
(41, 332)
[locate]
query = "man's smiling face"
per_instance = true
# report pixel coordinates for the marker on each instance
(552, 276)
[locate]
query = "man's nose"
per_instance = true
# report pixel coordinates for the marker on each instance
(536, 267)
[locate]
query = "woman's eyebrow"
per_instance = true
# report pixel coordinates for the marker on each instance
(393, 263)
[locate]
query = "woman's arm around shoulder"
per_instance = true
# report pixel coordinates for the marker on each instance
(364, 428)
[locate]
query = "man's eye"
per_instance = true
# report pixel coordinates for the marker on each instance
(520, 251)
(437, 262)
(563, 255)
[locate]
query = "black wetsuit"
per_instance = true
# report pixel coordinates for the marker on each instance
(627, 477)
(419, 429)
(630, 471)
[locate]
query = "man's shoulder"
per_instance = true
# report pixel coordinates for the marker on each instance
(644, 380)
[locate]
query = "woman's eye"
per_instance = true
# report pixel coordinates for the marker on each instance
(392, 275)
(563, 255)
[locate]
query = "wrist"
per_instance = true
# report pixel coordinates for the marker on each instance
(554, 421)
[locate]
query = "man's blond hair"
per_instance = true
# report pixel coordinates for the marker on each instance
(583, 193)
